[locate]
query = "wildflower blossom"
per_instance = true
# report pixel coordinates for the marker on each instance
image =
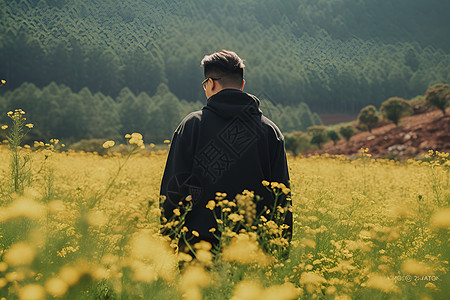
(414, 267)
(382, 283)
(211, 204)
(20, 254)
(4, 127)
(29, 125)
(245, 250)
(56, 287)
(441, 219)
(32, 292)
(108, 144)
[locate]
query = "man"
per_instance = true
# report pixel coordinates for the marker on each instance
(227, 147)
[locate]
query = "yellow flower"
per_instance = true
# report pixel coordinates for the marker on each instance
(265, 183)
(211, 204)
(29, 125)
(382, 283)
(108, 144)
(236, 218)
(3, 81)
(177, 212)
(166, 141)
(441, 219)
(195, 233)
(312, 281)
(4, 127)
(56, 287)
(245, 250)
(414, 267)
(32, 292)
(20, 254)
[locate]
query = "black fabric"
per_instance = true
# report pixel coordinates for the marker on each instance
(226, 147)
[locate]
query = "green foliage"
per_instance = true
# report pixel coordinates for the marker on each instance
(347, 131)
(369, 117)
(394, 108)
(58, 112)
(20, 165)
(333, 135)
(318, 135)
(439, 96)
(295, 51)
(297, 142)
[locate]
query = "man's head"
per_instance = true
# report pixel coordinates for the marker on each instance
(223, 70)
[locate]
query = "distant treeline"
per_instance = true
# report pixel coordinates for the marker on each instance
(57, 112)
(336, 56)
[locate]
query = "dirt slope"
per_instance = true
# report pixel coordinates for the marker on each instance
(415, 134)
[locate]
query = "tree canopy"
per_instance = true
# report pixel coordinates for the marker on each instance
(335, 56)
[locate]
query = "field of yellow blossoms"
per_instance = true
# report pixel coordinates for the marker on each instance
(84, 226)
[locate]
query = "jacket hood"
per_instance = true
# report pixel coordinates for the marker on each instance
(229, 103)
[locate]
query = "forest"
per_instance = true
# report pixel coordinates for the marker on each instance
(58, 112)
(330, 56)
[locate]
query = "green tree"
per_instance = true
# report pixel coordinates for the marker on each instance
(347, 132)
(438, 95)
(333, 135)
(318, 135)
(395, 108)
(369, 117)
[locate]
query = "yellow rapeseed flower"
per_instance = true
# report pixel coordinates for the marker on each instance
(381, 283)
(166, 141)
(20, 254)
(441, 219)
(32, 292)
(56, 287)
(108, 144)
(245, 250)
(29, 125)
(414, 267)
(4, 127)
(211, 204)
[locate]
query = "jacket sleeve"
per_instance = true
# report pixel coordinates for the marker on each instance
(178, 166)
(280, 173)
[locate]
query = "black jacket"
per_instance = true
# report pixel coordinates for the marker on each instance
(228, 146)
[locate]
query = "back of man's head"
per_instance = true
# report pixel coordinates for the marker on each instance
(226, 66)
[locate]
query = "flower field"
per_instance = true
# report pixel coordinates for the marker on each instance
(84, 226)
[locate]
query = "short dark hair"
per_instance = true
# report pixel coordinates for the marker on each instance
(226, 65)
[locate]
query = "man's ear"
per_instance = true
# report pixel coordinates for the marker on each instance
(243, 83)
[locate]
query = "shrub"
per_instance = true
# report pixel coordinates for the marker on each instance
(369, 117)
(347, 132)
(394, 108)
(438, 96)
(333, 135)
(297, 142)
(318, 135)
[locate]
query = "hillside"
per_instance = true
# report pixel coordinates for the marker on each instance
(335, 56)
(416, 135)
